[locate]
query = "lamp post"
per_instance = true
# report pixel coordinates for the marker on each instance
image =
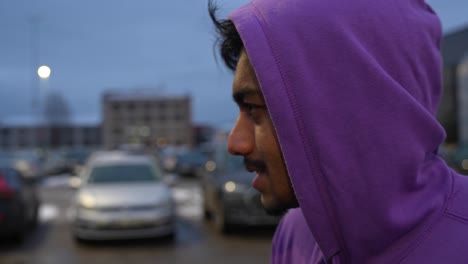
(43, 72)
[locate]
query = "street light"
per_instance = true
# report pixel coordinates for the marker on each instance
(44, 72)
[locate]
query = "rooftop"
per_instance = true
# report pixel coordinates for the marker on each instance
(29, 121)
(141, 94)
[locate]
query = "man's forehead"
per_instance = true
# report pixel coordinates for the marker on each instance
(245, 81)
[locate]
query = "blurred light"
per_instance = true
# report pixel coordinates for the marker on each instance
(162, 142)
(230, 186)
(44, 72)
(87, 200)
(132, 130)
(465, 164)
(144, 131)
(170, 163)
(210, 166)
(22, 166)
(75, 182)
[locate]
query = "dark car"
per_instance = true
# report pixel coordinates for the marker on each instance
(28, 162)
(229, 198)
(75, 159)
(190, 163)
(19, 203)
(65, 161)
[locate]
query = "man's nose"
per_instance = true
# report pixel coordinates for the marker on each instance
(241, 138)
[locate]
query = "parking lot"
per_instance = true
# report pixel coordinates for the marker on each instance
(196, 240)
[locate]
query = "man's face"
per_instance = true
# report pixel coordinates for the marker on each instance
(254, 137)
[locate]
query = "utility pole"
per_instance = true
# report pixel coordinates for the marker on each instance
(34, 22)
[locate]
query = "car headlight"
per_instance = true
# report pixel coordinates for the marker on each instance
(86, 200)
(465, 164)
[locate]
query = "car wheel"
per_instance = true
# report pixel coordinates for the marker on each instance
(19, 236)
(219, 216)
(79, 240)
(207, 215)
(34, 221)
(171, 237)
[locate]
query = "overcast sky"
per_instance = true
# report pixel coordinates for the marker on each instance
(93, 46)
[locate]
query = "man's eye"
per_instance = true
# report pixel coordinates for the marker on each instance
(253, 110)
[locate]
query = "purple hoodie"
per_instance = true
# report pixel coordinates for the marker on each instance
(352, 88)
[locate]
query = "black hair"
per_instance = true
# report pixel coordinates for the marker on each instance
(228, 39)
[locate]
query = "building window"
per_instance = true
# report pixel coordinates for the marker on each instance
(147, 106)
(179, 116)
(162, 106)
(116, 106)
(147, 118)
(116, 131)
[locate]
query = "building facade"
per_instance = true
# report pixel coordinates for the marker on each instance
(27, 136)
(454, 104)
(145, 117)
(462, 84)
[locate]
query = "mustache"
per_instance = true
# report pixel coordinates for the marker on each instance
(256, 165)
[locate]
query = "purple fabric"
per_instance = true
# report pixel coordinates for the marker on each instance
(352, 88)
(293, 240)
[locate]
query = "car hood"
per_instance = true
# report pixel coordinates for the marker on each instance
(110, 195)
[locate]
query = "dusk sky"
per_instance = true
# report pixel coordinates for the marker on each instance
(93, 46)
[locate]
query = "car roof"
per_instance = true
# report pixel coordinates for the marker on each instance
(118, 157)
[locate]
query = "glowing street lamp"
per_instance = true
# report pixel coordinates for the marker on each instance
(44, 82)
(44, 72)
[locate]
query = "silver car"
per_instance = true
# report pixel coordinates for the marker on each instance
(122, 197)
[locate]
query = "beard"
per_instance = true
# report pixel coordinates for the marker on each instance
(276, 211)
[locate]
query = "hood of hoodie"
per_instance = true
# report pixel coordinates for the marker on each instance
(352, 88)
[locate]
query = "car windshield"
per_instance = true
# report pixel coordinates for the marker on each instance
(192, 157)
(122, 173)
(79, 156)
(26, 155)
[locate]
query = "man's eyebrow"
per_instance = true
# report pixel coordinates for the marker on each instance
(240, 94)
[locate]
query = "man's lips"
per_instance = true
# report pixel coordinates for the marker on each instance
(256, 182)
(259, 167)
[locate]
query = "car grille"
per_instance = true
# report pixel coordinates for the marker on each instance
(111, 227)
(121, 225)
(130, 208)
